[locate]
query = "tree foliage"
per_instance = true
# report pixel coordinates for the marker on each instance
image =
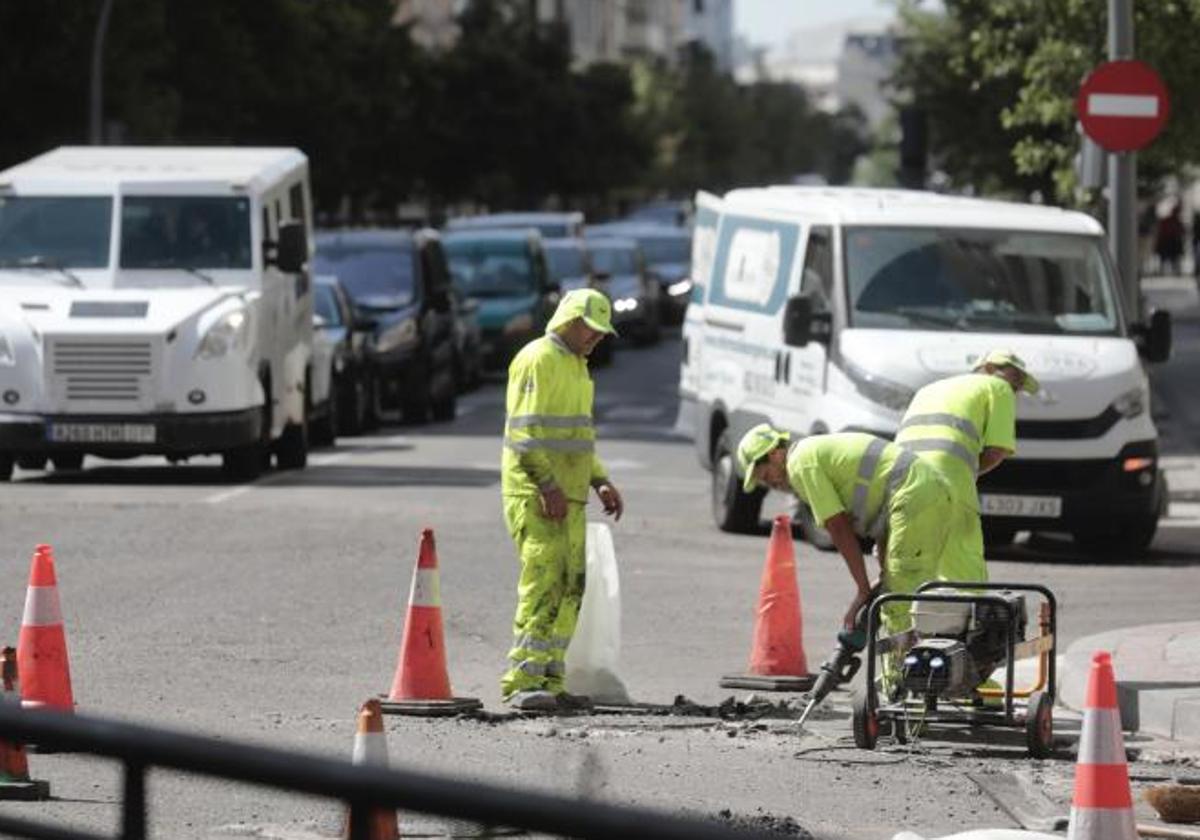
(998, 80)
(503, 118)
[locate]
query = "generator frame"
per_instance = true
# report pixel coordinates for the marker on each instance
(1034, 714)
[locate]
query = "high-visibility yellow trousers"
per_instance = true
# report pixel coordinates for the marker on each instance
(549, 593)
(963, 557)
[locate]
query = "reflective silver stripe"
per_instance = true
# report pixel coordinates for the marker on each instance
(42, 608)
(538, 669)
(1104, 744)
(551, 421)
(555, 669)
(955, 422)
(552, 445)
(426, 589)
(896, 476)
(862, 482)
(1101, 824)
(950, 447)
(370, 748)
(530, 643)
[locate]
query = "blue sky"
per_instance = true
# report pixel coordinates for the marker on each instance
(771, 21)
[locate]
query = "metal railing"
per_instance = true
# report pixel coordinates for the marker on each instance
(361, 787)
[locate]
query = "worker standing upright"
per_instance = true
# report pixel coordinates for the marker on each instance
(860, 486)
(965, 426)
(548, 464)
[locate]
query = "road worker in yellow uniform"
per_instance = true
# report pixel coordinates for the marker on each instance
(548, 466)
(965, 426)
(858, 485)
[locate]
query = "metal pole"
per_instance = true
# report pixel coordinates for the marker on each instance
(1122, 171)
(96, 99)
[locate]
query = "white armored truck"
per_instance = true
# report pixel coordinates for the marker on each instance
(155, 301)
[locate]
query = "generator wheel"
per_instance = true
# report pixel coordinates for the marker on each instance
(865, 722)
(1039, 725)
(900, 729)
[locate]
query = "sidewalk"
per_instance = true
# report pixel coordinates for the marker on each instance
(1158, 676)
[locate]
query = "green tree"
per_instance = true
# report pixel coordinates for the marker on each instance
(998, 80)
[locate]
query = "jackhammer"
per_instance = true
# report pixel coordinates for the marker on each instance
(841, 665)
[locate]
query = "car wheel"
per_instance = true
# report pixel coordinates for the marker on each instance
(324, 431)
(445, 408)
(67, 462)
(417, 397)
(6, 467)
(371, 414)
(733, 509)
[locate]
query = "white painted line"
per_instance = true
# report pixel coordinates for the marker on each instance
(242, 489)
(1122, 105)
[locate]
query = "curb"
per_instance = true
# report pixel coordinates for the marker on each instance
(1160, 691)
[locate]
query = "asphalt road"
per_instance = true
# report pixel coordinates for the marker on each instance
(269, 611)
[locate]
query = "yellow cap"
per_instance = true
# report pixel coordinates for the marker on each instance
(754, 444)
(590, 305)
(1007, 358)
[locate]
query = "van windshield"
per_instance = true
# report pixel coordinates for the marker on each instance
(51, 232)
(187, 232)
(500, 268)
(979, 281)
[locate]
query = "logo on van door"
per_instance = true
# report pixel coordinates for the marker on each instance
(753, 264)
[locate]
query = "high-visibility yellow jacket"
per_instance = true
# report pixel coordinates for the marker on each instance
(949, 422)
(548, 432)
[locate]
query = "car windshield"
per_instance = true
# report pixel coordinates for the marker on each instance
(565, 262)
(609, 259)
(499, 268)
(666, 249)
(187, 232)
(55, 231)
(325, 305)
(378, 276)
(979, 280)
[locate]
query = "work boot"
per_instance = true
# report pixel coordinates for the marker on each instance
(538, 700)
(573, 702)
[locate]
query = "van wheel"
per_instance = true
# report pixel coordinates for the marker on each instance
(6, 467)
(291, 453)
(1125, 537)
(733, 509)
(32, 462)
(996, 535)
(68, 462)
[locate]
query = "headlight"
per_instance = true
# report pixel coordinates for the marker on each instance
(878, 389)
(230, 331)
(1132, 403)
(519, 324)
(7, 357)
(679, 287)
(625, 304)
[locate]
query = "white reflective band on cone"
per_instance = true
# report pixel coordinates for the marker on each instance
(1102, 824)
(1104, 744)
(41, 607)
(370, 748)
(426, 590)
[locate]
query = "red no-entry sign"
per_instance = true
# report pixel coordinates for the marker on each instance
(1123, 105)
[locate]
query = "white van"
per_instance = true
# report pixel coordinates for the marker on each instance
(825, 309)
(155, 301)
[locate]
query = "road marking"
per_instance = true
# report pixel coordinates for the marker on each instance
(318, 461)
(1122, 105)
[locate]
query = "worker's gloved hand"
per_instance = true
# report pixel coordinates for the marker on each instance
(860, 599)
(610, 497)
(554, 502)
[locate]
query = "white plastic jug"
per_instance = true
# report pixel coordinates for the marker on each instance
(595, 650)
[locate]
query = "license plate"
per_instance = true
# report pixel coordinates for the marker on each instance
(1045, 507)
(102, 433)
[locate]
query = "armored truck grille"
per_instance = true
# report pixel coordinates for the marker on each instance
(108, 371)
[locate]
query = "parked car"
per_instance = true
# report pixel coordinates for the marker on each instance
(549, 225)
(635, 295)
(668, 253)
(663, 212)
(506, 272)
(570, 265)
(468, 339)
(343, 389)
(399, 285)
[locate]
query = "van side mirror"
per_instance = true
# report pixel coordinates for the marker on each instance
(802, 323)
(291, 252)
(1154, 339)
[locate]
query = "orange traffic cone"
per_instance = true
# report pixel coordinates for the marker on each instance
(370, 747)
(422, 684)
(1102, 808)
(14, 764)
(42, 645)
(777, 661)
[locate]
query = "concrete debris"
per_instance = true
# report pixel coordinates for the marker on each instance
(767, 823)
